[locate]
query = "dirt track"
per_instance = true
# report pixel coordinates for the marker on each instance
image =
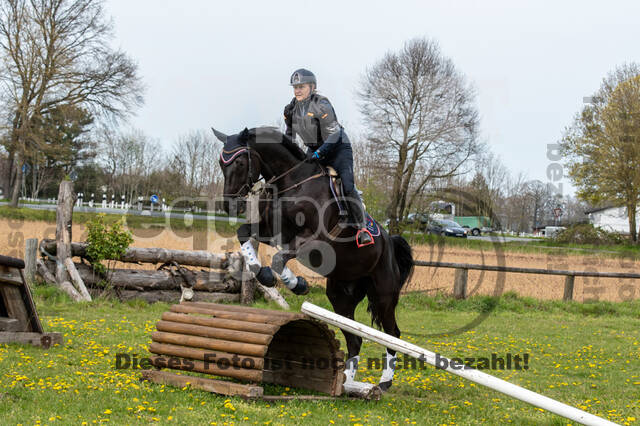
(13, 234)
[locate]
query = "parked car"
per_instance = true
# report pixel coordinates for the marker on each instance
(446, 228)
(421, 218)
(473, 231)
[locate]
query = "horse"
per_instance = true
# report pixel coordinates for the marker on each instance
(299, 212)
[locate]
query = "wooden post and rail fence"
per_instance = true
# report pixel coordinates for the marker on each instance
(64, 272)
(462, 274)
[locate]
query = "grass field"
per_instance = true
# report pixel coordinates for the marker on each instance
(586, 355)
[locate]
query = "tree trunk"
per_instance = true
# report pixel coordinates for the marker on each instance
(392, 210)
(15, 192)
(145, 280)
(6, 177)
(631, 214)
(172, 296)
(64, 213)
(153, 255)
(406, 180)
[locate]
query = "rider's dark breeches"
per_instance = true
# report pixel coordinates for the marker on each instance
(342, 161)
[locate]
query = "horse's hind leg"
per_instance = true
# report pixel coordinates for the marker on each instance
(383, 298)
(344, 297)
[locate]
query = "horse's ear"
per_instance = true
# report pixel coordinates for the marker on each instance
(244, 135)
(221, 136)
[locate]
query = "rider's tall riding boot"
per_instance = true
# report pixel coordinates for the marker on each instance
(363, 237)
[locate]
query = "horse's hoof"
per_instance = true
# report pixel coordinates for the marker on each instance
(385, 385)
(265, 277)
(301, 288)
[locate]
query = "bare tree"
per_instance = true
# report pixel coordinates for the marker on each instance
(542, 201)
(129, 159)
(421, 114)
(514, 211)
(56, 52)
(495, 174)
(195, 156)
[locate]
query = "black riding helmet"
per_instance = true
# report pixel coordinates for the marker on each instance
(302, 76)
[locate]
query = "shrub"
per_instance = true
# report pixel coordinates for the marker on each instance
(106, 243)
(586, 233)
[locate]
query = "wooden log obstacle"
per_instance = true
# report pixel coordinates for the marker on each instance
(474, 375)
(251, 345)
(219, 277)
(19, 322)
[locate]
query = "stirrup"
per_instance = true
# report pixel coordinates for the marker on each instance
(361, 231)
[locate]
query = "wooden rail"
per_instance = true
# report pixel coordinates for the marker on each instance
(462, 272)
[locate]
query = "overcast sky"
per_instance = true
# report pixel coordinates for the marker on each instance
(228, 63)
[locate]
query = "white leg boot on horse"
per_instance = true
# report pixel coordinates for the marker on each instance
(389, 369)
(297, 284)
(351, 368)
(262, 273)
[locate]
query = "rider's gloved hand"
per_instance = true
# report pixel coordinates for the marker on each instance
(312, 156)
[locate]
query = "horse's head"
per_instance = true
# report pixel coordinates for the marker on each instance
(240, 166)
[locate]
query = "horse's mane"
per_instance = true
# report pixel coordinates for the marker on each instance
(275, 134)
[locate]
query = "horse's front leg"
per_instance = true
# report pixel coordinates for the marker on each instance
(249, 241)
(296, 284)
(248, 248)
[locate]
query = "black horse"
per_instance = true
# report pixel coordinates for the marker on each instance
(298, 211)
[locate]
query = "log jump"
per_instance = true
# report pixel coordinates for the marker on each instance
(219, 277)
(476, 376)
(250, 345)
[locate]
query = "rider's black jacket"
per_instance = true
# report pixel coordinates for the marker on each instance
(315, 121)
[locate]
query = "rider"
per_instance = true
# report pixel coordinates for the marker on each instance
(311, 116)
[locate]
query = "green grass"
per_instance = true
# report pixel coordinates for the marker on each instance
(584, 355)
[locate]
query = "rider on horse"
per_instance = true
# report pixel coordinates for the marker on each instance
(312, 117)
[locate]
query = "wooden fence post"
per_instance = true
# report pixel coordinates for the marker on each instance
(30, 257)
(460, 283)
(568, 288)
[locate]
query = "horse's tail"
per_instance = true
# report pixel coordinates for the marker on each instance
(404, 258)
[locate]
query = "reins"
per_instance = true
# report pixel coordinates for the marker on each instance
(242, 149)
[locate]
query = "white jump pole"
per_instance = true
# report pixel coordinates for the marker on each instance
(476, 376)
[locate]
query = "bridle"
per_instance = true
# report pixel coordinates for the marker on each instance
(236, 152)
